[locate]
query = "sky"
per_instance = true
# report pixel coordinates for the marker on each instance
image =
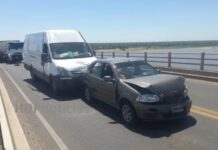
(113, 20)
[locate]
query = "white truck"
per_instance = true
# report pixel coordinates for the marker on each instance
(58, 57)
(14, 52)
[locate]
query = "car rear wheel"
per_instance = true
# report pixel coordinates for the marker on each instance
(87, 95)
(128, 114)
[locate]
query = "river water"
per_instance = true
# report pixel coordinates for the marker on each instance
(183, 55)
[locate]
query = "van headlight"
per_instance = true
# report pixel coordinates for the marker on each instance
(63, 72)
(147, 98)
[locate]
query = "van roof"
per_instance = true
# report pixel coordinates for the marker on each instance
(62, 36)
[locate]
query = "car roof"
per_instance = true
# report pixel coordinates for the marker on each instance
(119, 60)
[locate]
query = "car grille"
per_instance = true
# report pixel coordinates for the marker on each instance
(175, 96)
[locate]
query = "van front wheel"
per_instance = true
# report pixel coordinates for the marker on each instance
(54, 88)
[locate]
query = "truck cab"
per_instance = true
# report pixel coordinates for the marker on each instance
(14, 52)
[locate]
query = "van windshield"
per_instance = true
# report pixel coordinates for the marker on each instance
(15, 46)
(70, 50)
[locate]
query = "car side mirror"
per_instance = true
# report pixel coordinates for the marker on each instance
(45, 58)
(108, 79)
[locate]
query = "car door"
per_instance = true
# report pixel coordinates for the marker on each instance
(108, 88)
(94, 79)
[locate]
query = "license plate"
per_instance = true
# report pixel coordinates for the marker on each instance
(177, 109)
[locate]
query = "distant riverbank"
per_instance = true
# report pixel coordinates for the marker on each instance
(211, 49)
(153, 45)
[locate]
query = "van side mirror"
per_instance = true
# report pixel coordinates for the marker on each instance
(45, 58)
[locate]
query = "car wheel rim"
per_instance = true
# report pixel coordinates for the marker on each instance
(127, 113)
(87, 94)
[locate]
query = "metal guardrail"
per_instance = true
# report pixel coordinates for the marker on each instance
(169, 58)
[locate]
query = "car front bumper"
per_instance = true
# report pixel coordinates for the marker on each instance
(163, 111)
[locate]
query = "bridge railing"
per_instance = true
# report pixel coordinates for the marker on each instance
(197, 60)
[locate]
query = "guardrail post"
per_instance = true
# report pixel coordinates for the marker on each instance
(146, 56)
(127, 54)
(169, 59)
(102, 54)
(202, 61)
(113, 54)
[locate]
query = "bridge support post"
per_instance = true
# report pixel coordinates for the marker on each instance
(202, 61)
(169, 59)
(102, 55)
(146, 56)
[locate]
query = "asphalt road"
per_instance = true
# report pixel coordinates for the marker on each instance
(67, 122)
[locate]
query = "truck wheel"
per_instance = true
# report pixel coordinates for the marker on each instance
(128, 114)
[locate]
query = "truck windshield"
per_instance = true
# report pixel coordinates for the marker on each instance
(15, 46)
(70, 50)
(134, 69)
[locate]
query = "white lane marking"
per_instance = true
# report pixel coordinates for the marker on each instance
(54, 135)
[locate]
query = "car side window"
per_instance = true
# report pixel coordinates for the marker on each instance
(107, 71)
(96, 70)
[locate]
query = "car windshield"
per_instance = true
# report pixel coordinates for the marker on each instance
(134, 69)
(15, 46)
(70, 50)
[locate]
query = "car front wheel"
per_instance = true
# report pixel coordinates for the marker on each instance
(128, 114)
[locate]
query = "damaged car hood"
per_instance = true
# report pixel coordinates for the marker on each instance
(158, 83)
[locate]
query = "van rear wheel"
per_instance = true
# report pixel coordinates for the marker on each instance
(33, 76)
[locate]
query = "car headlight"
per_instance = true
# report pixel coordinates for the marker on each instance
(63, 72)
(147, 98)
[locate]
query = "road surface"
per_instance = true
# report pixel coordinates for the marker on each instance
(67, 122)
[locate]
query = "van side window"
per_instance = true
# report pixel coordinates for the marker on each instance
(45, 48)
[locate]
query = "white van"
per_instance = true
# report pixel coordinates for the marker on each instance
(58, 57)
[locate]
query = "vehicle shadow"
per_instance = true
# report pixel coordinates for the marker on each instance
(44, 88)
(148, 129)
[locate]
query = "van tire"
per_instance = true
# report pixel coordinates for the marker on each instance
(54, 89)
(33, 76)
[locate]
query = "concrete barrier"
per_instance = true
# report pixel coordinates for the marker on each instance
(12, 132)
